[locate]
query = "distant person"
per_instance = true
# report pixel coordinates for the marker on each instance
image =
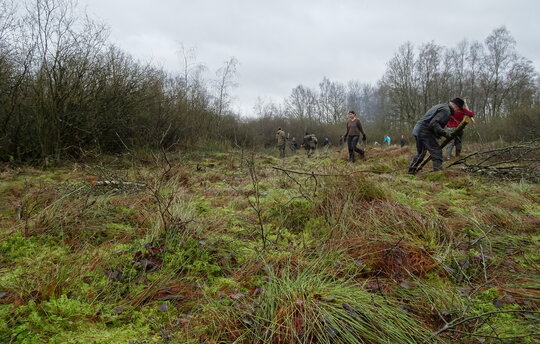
(280, 138)
(387, 140)
(453, 123)
(402, 141)
(294, 145)
(354, 129)
(428, 129)
(326, 145)
(310, 144)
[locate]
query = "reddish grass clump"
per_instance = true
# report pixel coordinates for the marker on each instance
(393, 260)
(531, 224)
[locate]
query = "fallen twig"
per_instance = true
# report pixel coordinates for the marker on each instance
(313, 174)
(119, 183)
(451, 325)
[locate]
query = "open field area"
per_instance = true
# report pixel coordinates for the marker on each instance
(142, 199)
(246, 248)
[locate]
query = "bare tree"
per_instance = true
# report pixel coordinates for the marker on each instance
(302, 103)
(474, 68)
(364, 98)
(401, 81)
(458, 57)
(8, 23)
(332, 101)
(498, 61)
(224, 83)
(427, 69)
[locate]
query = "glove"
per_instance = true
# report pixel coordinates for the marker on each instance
(364, 138)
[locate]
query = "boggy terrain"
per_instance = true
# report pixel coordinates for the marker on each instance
(245, 248)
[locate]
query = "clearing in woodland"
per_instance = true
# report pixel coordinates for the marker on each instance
(241, 247)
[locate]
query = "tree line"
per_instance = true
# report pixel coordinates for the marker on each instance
(65, 91)
(500, 86)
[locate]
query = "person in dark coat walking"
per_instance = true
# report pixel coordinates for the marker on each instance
(310, 144)
(354, 129)
(402, 141)
(294, 145)
(428, 129)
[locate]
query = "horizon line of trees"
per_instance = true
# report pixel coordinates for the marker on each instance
(66, 92)
(499, 85)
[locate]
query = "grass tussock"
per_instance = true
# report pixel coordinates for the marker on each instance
(308, 307)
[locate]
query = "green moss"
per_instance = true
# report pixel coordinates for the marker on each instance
(118, 227)
(292, 215)
(460, 182)
(66, 320)
(198, 258)
(439, 176)
(16, 247)
(51, 177)
(220, 155)
(126, 212)
(507, 324)
(316, 226)
(524, 250)
(202, 206)
(221, 284)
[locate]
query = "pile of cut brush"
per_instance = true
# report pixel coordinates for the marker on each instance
(515, 163)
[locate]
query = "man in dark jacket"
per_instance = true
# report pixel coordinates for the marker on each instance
(354, 129)
(402, 141)
(428, 129)
(310, 144)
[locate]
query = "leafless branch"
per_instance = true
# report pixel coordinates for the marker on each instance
(513, 162)
(462, 320)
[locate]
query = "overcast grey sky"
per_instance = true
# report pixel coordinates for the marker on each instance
(283, 43)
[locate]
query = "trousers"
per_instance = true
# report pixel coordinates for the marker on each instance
(456, 142)
(426, 142)
(352, 142)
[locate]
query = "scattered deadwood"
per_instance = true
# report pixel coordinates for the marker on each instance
(117, 186)
(451, 326)
(518, 162)
(120, 183)
(313, 174)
